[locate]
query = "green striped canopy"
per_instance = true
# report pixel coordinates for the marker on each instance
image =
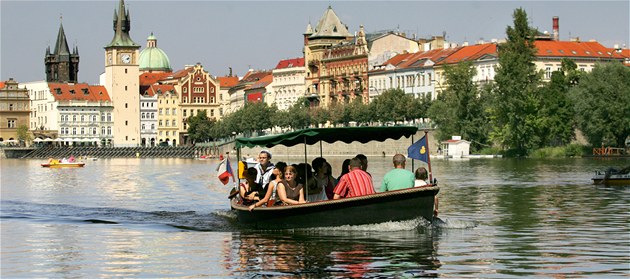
(329, 135)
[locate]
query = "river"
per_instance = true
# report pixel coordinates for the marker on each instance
(156, 218)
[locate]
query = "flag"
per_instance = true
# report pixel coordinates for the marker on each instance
(419, 150)
(224, 171)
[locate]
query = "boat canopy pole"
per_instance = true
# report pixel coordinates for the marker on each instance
(413, 168)
(321, 152)
(238, 169)
(305, 171)
(426, 134)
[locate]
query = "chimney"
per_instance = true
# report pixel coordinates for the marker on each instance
(556, 28)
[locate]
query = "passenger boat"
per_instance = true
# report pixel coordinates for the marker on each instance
(612, 177)
(64, 165)
(400, 205)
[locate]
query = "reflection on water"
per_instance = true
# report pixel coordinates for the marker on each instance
(170, 218)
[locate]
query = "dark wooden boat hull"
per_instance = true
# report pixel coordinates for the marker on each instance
(406, 204)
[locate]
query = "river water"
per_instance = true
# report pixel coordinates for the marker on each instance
(152, 218)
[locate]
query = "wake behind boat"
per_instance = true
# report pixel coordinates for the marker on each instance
(400, 205)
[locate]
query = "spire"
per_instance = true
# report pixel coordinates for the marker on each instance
(122, 26)
(61, 47)
(309, 29)
(330, 26)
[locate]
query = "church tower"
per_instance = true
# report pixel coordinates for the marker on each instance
(61, 65)
(122, 74)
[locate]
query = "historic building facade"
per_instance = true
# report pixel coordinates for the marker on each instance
(62, 65)
(288, 83)
(121, 80)
(336, 61)
(197, 90)
(14, 109)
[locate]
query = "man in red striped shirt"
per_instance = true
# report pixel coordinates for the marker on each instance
(355, 183)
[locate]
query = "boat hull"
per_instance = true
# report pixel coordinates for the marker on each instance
(401, 205)
(64, 165)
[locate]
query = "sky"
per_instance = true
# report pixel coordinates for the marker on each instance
(257, 34)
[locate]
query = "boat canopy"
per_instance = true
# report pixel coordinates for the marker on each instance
(330, 135)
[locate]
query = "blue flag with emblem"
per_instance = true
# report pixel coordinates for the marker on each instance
(419, 150)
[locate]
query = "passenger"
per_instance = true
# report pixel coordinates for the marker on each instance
(271, 197)
(421, 176)
(364, 162)
(330, 188)
(264, 168)
(354, 183)
(344, 169)
(291, 192)
(64, 160)
(249, 190)
(399, 177)
(421, 181)
(71, 159)
(323, 179)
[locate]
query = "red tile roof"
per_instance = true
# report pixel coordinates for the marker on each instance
(254, 76)
(469, 53)
(288, 63)
(151, 78)
(227, 82)
(574, 49)
(155, 88)
(398, 59)
(263, 82)
(78, 92)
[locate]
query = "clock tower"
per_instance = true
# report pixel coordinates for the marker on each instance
(122, 74)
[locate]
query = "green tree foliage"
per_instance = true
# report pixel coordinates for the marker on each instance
(319, 116)
(360, 112)
(459, 110)
(515, 121)
(556, 111)
(200, 127)
(602, 104)
(391, 105)
(22, 133)
(255, 117)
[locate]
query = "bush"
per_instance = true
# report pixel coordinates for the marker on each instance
(490, 151)
(571, 150)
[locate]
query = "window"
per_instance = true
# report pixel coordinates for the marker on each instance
(152, 126)
(74, 130)
(109, 130)
(103, 118)
(74, 118)
(174, 111)
(167, 111)
(109, 117)
(153, 115)
(160, 111)
(160, 123)
(142, 117)
(12, 123)
(143, 127)
(10, 106)
(548, 72)
(126, 106)
(82, 118)
(94, 131)
(82, 131)
(103, 130)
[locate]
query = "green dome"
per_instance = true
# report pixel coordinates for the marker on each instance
(153, 58)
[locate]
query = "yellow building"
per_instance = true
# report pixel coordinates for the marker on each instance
(14, 110)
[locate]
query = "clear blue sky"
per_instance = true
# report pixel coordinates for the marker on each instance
(257, 34)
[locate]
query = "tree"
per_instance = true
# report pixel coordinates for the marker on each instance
(556, 111)
(391, 105)
(602, 104)
(459, 109)
(360, 112)
(514, 116)
(200, 127)
(22, 133)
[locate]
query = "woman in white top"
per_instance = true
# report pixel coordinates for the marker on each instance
(271, 196)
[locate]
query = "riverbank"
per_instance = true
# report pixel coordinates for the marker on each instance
(122, 152)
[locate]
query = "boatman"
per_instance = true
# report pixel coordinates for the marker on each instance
(355, 183)
(264, 168)
(399, 177)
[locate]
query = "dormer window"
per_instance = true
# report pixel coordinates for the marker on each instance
(58, 91)
(72, 91)
(85, 91)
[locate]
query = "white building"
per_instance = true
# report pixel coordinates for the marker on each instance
(288, 83)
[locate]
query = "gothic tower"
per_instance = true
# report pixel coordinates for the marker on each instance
(61, 65)
(122, 80)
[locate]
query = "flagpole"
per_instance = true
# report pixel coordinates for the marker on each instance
(426, 135)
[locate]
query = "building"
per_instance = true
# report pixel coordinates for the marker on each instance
(321, 85)
(168, 118)
(14, 109)
(61, 65)
(484, 58)
(121, 80)
(384, 46)
(237, 92)
(154, 59)
(197, 91)
(411, 72)
(455, 147)
(256, 92)
(288, 83)
(225, 85)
